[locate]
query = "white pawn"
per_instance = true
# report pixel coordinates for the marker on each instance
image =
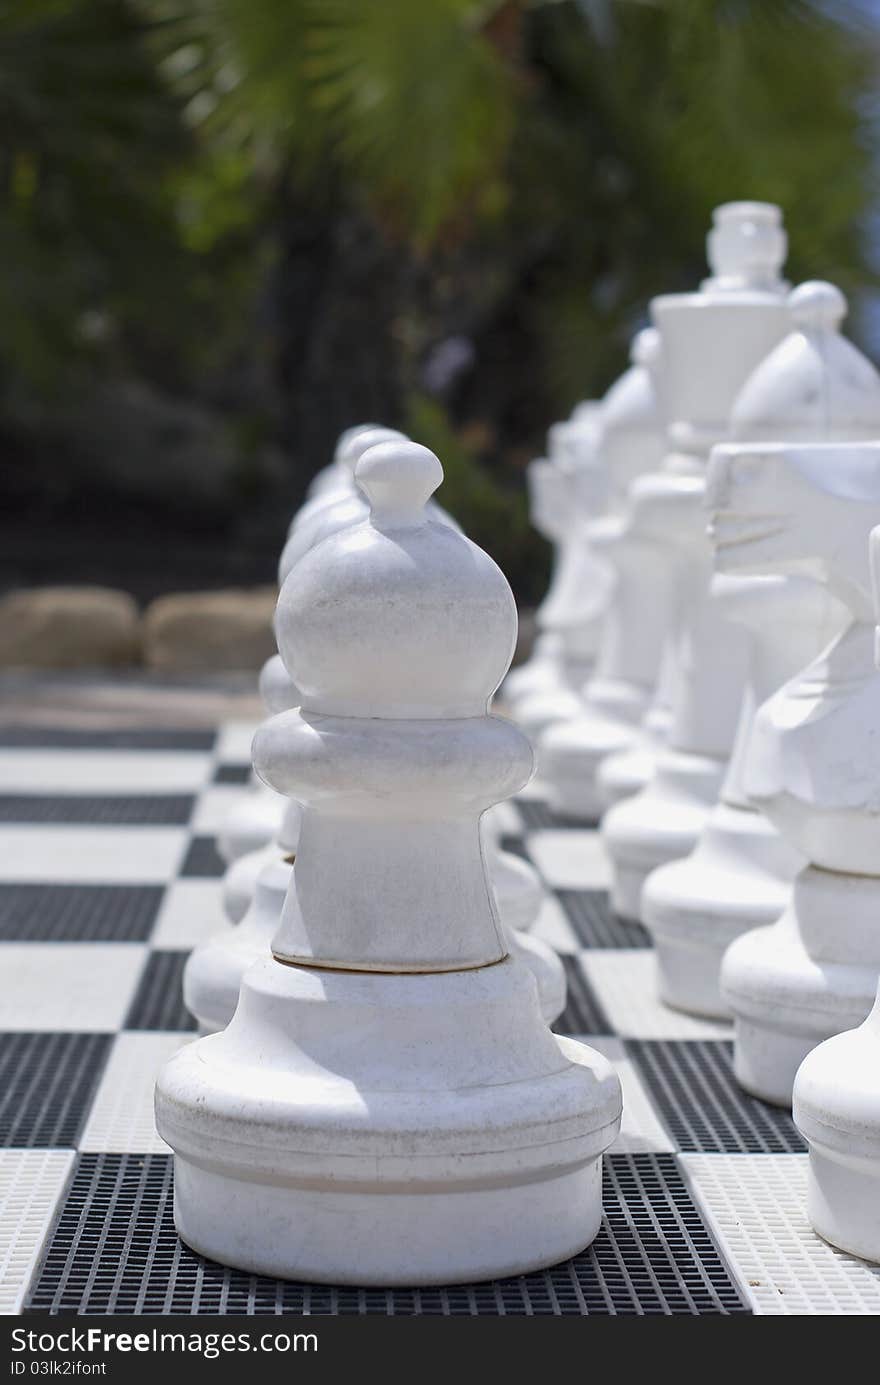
(814, 386)
(710, 343)
(814, 765)
(576, 601)
(615, 699)
(387, 1105)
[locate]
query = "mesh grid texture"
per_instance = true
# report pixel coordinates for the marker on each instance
(114, 1250)
(47, 1082)
(78, 913)
(693, 1086)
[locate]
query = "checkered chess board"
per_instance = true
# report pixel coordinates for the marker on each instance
(109, 876)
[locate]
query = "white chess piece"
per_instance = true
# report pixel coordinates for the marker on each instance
(617, 695)
(253, 821)
(337, 506)
(710, 343)
(814, 764)
(215, 970)
(567, 490)
(387, 1105)
(814, 386)
(338, 477)
(836, 1107)
(255, 885)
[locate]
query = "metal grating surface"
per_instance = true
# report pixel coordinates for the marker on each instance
(122, 1118)
(693, 1086)
(114, 1250)
(78, 913)
(538, 817)
(590, 915)
(158, 1001)
(123, 810)
(123, 738)
(583, 1013)
(625, 981)
(202, 858)
(47, 1082)
(232, 774)
(758, 1203)
(31, 1184)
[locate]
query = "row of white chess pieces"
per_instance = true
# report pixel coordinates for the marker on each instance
(704, 682)
(387, 1104)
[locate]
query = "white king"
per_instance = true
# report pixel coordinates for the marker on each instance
(387, 1105)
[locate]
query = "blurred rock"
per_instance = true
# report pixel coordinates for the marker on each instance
(68, 627)
(210, 630)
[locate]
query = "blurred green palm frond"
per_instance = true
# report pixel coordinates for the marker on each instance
(88, 133)
(283, 209)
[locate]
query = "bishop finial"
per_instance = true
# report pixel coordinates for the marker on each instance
(746, 246)
(398, 478)
(359, 439)
(817, 306)
(347, 436)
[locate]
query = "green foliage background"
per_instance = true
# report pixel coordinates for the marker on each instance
(231, 228)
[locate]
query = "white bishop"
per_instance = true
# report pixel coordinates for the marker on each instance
(387, 1105)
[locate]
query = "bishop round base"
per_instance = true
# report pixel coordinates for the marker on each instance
(737, 878)
(404, 1237)
(366, 1128)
